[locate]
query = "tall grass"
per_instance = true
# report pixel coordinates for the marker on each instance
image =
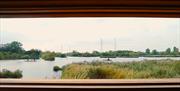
(122, 70)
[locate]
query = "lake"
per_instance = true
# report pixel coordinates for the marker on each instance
(44, 69)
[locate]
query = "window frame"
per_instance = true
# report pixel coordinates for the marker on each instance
(89, 8)
(81, 84)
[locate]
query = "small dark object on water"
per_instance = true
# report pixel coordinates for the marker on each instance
(109, 59)
(56, 68)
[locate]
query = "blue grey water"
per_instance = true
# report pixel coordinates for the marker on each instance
(44, 69)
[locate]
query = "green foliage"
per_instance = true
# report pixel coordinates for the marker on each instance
(123, 70)
(175, 51)
(107, 54)
(10, 55)
(154, 52)
(61, 55)
(49, 56)
(14, 50)
(148, 51)
(168, 51)
(96, 53)
(33, 54)
(74, 53)
(11, 50)
(128, 53)
(8, 74)
(56, 68)
(14, 47)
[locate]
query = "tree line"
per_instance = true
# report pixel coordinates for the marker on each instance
(14, 50)
(127, 53)
(167, 52)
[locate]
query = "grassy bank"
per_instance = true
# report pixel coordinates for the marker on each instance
(122, 70)
(9, 74)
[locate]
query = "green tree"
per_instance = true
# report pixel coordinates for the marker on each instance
(61, 55)
(168, 51)
(154, 52)
(50, 56)
(14, 46)
(148, 51)
(175, 51)
(95, 53)
(34, 53)
(75, 53)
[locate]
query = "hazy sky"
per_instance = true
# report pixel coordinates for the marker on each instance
(84, 34)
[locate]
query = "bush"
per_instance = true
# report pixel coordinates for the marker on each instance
(61, 55)
(49, 56)
(56, 68)
(8, 74)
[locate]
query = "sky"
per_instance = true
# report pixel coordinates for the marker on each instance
(85, 34)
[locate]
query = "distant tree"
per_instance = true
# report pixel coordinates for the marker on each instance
(168, 51)
(14, 50)
(175, 51)
(61, 55)
(148, 51)
(49, 56)
(34, 53)
(105, 54)
(96, 53)
(75, 53)
(14, 46)
(86, 54)
(154, 52)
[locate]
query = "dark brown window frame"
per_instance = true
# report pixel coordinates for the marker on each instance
(89, 8)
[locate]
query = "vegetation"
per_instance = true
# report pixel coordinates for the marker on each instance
(50, 56)
(56, 68)
(127, 53)
(122, 70)
(14, 50)
(33, 54)
(61, 55)
(8, 74)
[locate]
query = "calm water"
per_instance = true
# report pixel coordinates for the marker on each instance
(44, 69)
